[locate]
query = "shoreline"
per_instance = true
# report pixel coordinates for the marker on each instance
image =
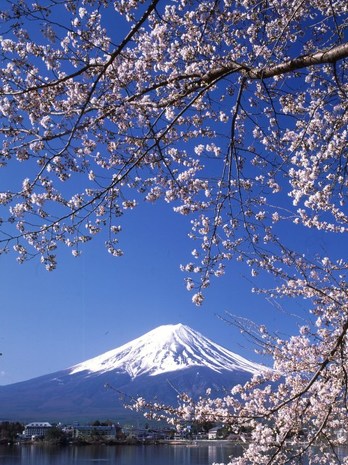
(159, 442)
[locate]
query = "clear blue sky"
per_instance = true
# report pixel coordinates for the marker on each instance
(94, 303)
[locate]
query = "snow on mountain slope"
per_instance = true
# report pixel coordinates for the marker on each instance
(166, 349)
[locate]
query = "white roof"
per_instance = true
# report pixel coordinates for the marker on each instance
(37, 424)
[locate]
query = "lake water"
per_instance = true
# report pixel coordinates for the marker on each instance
(117, 455)
(204, 454)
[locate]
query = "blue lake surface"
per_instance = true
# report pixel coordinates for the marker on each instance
(117, 455)
(203, 454)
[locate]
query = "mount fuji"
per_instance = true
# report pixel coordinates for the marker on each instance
(157, 365)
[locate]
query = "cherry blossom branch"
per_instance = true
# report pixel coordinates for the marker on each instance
(332, 55)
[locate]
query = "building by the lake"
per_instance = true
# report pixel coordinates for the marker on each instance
(36, 429)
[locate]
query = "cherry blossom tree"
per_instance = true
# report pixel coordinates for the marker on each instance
(232, 112)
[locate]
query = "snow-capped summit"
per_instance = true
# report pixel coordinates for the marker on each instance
(165, 349)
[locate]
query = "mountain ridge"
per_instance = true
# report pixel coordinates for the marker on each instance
(157, 365)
